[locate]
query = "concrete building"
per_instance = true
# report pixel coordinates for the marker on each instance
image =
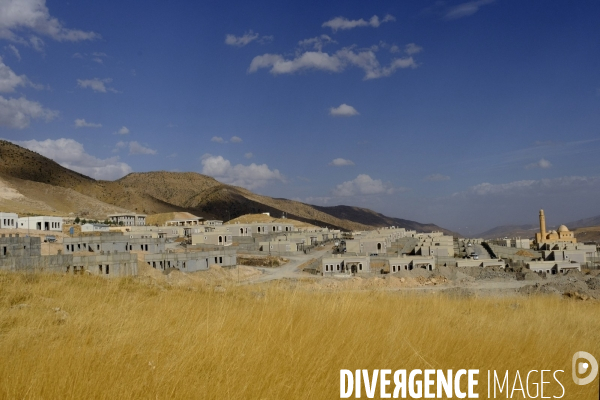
(408, 263)
(112, 243)
(132, 219)
(24, 254)
(194, 221)
(553, 267)
(518, 243)
(213, 238)
(191, 261)
(8, 220)
(90, 228)
(41, 223)
(20, 246)
(345, 264)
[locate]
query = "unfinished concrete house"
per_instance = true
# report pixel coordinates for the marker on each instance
(23, 254)
(112, 242)
(191, 261)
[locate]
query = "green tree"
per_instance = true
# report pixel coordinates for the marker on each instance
(77, 220)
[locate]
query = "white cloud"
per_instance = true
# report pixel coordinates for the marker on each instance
(466, 9)
(437, 178)
(335, 62)
(97, 85)
(136, 148)
(341, 162)
(345, 23)
(71, 154)
(249, 176)
(241, 41)
(14, 50)
(236, 139)
(217, 139)
(316, 43)
(33, 15)
(543, 163)
(248, 155)
(362, 184)
(123, 131)
(82, 123)
(344, 110)
(412, 48)
(9, 80)
(18, 113)
(535, 188)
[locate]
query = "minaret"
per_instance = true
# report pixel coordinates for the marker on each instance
(542, 225)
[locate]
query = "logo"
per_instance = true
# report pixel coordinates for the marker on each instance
(580, 367)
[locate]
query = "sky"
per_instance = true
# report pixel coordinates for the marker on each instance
(463, 114)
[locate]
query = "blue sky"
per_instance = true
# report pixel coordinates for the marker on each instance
(465, 114)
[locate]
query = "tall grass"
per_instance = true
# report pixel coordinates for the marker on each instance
(79, 337)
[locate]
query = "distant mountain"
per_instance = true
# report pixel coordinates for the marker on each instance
(592, 221)
(159, 192)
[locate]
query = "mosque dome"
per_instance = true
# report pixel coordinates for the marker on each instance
(563, 228)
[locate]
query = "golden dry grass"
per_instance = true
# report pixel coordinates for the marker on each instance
(80, 337)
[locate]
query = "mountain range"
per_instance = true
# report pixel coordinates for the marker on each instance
(33, 184)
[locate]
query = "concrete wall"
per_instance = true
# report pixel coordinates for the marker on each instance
(112, 243)
(108, 265)
(191, 261)
(20, 246)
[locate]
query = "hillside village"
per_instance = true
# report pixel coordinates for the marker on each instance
(131, 244)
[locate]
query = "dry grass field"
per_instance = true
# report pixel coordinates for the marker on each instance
(80, 337)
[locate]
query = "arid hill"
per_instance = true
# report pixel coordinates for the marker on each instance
(163, 192)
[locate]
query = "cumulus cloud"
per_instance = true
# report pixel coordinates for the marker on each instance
(249, 176)
(236, 139)
(344, 110)
(217, 139)
(543, 163)
(466, 9)
(123, 131)
(9, 81)
(341, 162)
(18, 113)
(335, 62)
(17, 16)
(82, 123)
(437, 178)
(248, 155)
(71, 154)
(316, 43)
(97, 85)
(241, 41)
(344, 23)
(136, 148)
(362, 184)
(412, 48)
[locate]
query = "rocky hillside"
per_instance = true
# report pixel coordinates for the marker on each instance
(166, 192)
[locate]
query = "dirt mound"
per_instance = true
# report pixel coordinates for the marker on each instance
(593, 283)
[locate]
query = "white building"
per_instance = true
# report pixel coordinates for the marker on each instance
(95, 228)
(8, 220)
(128, 219)
(41, 223)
